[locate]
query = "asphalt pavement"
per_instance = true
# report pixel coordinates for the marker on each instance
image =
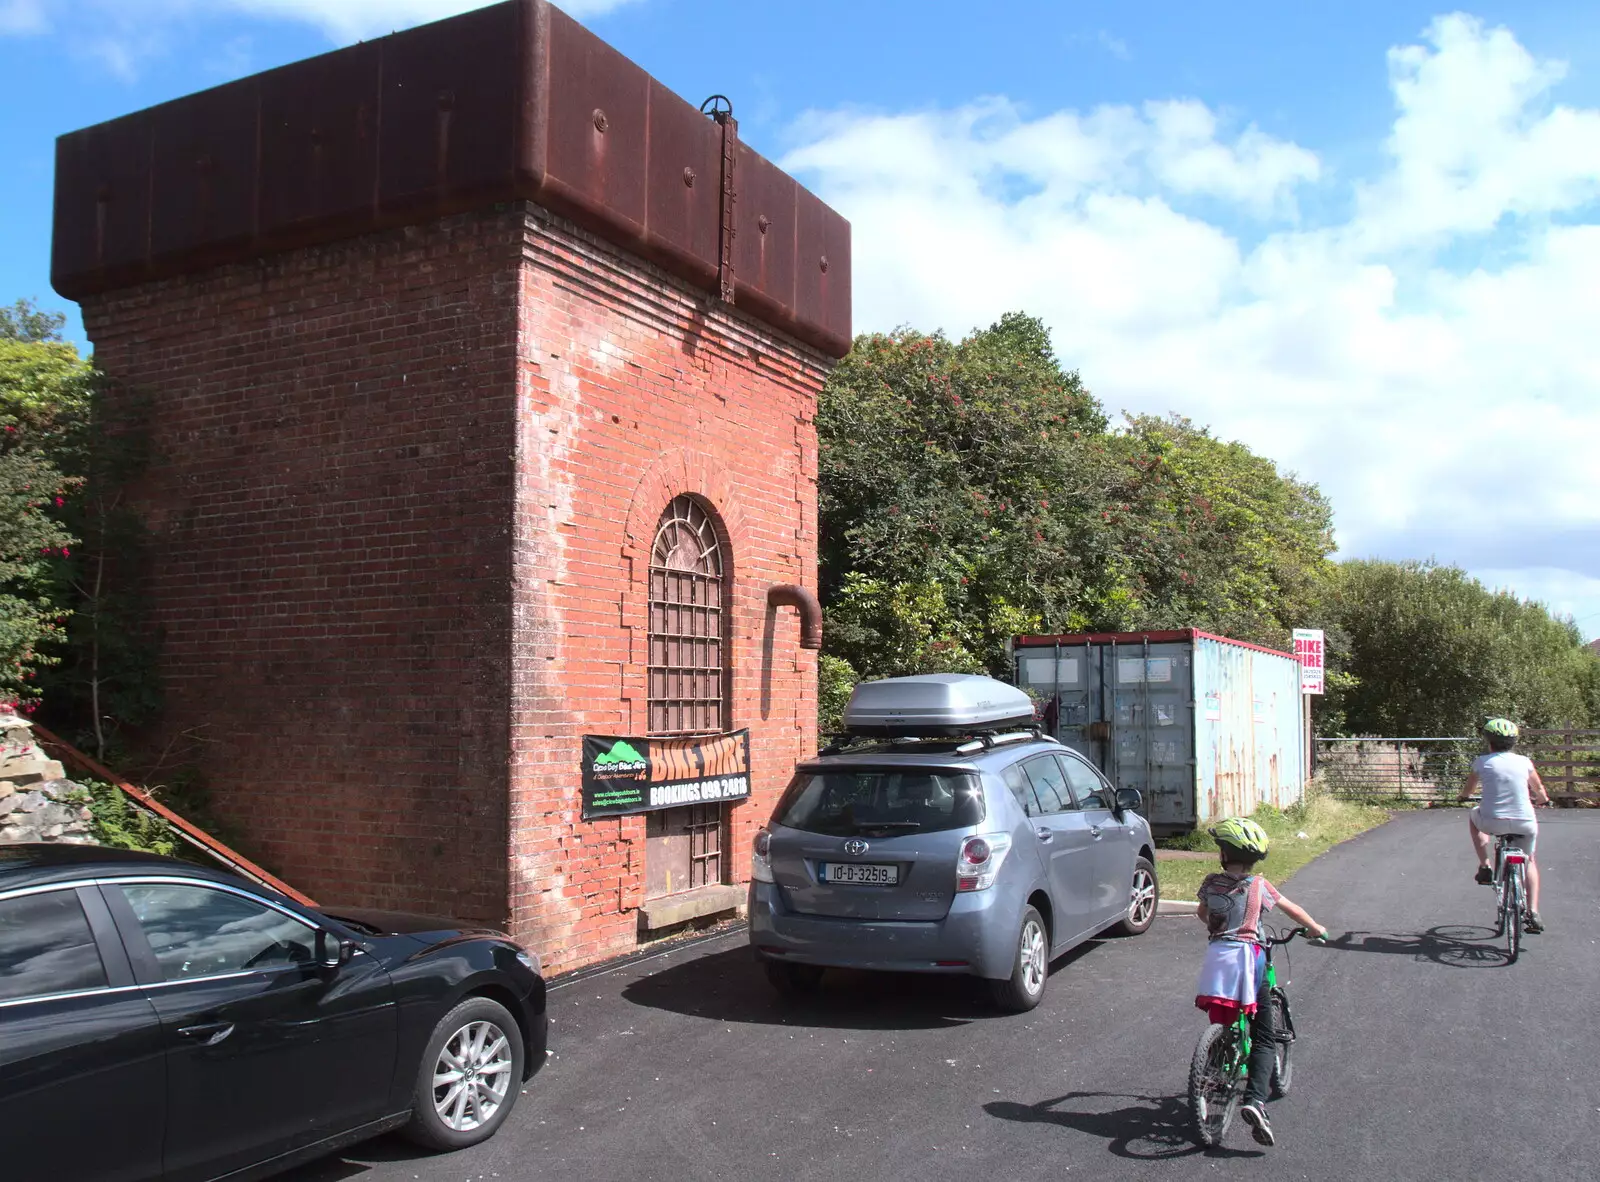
(1422, 1054)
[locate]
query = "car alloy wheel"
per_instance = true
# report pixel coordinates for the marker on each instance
(1144, 897)
(1034, 956)
(1030, 971)
(472, 1076)
(468, 1076)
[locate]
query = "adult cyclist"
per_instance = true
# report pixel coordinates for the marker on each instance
(1510, 784)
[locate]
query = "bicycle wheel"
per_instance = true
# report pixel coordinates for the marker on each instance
(1283, 1034)
(1511, 915)
(1499, 901)
(1214, 1083)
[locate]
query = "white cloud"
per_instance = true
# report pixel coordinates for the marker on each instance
(20, 17)
(124, 35)
(1115, 46)
(1477, 139)
(352, 20)
(1448, 413)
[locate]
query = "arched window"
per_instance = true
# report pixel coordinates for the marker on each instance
(687, 687)
(686, 623)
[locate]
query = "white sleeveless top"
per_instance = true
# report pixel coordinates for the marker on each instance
(1503, 775)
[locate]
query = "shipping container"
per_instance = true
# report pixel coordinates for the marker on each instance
(1205, 727)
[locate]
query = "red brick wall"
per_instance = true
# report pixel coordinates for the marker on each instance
(403, 511)
(633, 388)
(330, 509)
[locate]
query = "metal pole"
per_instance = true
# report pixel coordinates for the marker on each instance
(1305, 731)
(1055, 680)
(1144, 710)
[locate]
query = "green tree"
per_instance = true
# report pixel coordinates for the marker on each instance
(43, 391)
(1226, 542)
(107, 680)
(958, 481)
(1431, 651)
(23, 321)
(71, 619)
(971, 490)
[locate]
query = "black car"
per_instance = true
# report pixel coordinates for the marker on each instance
(160, 1020)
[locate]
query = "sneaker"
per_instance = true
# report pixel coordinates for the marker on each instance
(1260, 1127)
(1535, 924)
(1485, 876)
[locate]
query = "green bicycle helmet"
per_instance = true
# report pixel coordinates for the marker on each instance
(1242, 834)
(1501, 727)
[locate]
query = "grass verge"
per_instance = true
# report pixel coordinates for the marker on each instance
(1299, 833)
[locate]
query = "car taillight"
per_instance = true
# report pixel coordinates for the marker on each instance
(979, 861)
(760, 857)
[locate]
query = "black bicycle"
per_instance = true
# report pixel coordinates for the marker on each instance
(1221, 1062)
(1510, 894)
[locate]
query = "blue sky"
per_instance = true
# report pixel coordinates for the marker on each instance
(1356, 236)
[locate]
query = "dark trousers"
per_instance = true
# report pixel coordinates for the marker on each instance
(1263, 1052)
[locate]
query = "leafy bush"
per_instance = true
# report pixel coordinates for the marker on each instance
(119, 824)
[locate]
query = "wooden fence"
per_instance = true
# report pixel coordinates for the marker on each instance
(1432, 770)
(1569, 764)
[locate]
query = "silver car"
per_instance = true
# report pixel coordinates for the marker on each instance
(986, 856)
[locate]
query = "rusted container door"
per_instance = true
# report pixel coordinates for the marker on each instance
(683, 846)
(1152, 734)
(1128, 707)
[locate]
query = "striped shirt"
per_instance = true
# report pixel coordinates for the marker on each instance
(1234, 903)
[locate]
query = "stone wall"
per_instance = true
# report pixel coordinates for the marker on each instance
(37, 801)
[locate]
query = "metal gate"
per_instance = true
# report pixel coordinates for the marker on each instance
(1415, 770)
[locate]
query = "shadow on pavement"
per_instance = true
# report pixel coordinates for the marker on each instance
(358, 1160)
(730, 986)
(1456, 946)
(1150, 1128)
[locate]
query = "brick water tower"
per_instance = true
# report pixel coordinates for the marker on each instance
(482, 372)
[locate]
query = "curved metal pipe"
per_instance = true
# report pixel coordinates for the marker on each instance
(803, 601)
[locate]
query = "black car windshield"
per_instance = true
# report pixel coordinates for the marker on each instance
(847, 802)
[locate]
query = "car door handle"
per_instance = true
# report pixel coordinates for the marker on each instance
(207, 1034)
(1044, 834)
(1095, 829)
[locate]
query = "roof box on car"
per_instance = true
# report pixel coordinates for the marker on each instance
(936, 704)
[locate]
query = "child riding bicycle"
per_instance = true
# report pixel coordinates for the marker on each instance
(1231, 905)
(1509, 783)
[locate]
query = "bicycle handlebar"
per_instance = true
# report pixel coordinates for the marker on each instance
(1277, 941)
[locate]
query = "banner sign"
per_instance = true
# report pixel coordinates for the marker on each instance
(1308, 650)
(622, 776)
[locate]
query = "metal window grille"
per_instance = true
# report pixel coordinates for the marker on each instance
(686, 623)
(687, 649)
(683, 849)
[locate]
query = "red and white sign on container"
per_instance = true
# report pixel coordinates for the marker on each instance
(1308, 650)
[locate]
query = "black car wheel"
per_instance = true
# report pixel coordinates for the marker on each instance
(1143, 900)
(469, 1077)
(1024, 988)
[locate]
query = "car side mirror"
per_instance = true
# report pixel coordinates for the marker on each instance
(1130, 800)
(333, 950)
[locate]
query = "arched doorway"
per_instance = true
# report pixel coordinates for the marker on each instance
(687, 685)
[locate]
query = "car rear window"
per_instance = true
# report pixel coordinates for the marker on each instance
(847, 802)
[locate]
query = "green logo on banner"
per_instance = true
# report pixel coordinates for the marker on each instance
(621, 754)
